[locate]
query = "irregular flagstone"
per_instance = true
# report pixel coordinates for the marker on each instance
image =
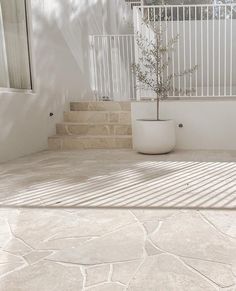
(9, 213)
(150, 249)
(225, 221)
(44, 276)
(96, 275)
(38, 226)
(96, 222)
(36, 256)
(165, 272)
(5, 232)
(123, 272)
(151, 226)
(125, 244)
(221, 274)
(153, 214)
(62, 243)
(188, 235)
(17, 247)
(9, 263)
(35, 226)
(107, 287)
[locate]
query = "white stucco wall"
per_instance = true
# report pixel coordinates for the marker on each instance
(208, 125)
(60, 54)
(60, 31)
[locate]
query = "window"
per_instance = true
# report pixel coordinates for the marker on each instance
(15, 71)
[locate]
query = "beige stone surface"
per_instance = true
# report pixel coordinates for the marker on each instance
(153, 215)
(123, 272)
(125, 244)
(219, 273)
(100, 106)
(151, 226)
(70, 221)
(93, 129)
(77, 142)
(99, 117)
(107, 287)
(44, 276)
(55, 143)
(201, 242)
(150, 249)
(166, 272)
(17, 247)
(222, 220)
(35, 256)
(5, 232)
(58, 229)
(9, 263)
(97, 275)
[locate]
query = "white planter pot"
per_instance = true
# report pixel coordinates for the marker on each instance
(154, 137)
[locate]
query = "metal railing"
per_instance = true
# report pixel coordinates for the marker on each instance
(207, 38)
(111, 58)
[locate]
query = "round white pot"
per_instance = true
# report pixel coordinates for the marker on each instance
(154, 136)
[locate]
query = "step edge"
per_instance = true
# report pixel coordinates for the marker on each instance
(89, 136)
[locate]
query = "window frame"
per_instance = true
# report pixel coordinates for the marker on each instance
(28, 14)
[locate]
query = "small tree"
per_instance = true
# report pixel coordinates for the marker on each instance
(154, 60)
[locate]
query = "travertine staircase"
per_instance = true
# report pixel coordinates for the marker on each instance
(94, 125)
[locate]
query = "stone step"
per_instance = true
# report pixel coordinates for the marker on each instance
(93, 129)
(89, 142)
(101, 117)
(100, 106)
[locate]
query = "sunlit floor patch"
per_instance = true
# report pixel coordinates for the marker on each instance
(120, 179)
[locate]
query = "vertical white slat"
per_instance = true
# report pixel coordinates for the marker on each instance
(148, 34)
(125, 69)
(190, 48)
(208, 86)
(196, 50)
(160, 19)
(219, 44)
(116, 65)
(202, 52)
(120, 66)
(178, 28)
(137, 27)
(129, 65)
(102, 78)
(213, 52)
(231, 51)
(154, 20)
(132, 56)
(97, 66)
(112, 67)
(108, 67)
(225, 51)
(105, 76)
(173, 54)
(95, 86)
(166, 41)
(184, 36)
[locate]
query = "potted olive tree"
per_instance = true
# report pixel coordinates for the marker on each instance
(156, 136)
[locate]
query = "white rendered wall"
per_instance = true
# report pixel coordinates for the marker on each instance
(60, 36)
(208, 125)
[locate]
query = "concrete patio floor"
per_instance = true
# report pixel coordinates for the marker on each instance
(117, 220)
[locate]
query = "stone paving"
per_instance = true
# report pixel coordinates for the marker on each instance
(63, 248)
